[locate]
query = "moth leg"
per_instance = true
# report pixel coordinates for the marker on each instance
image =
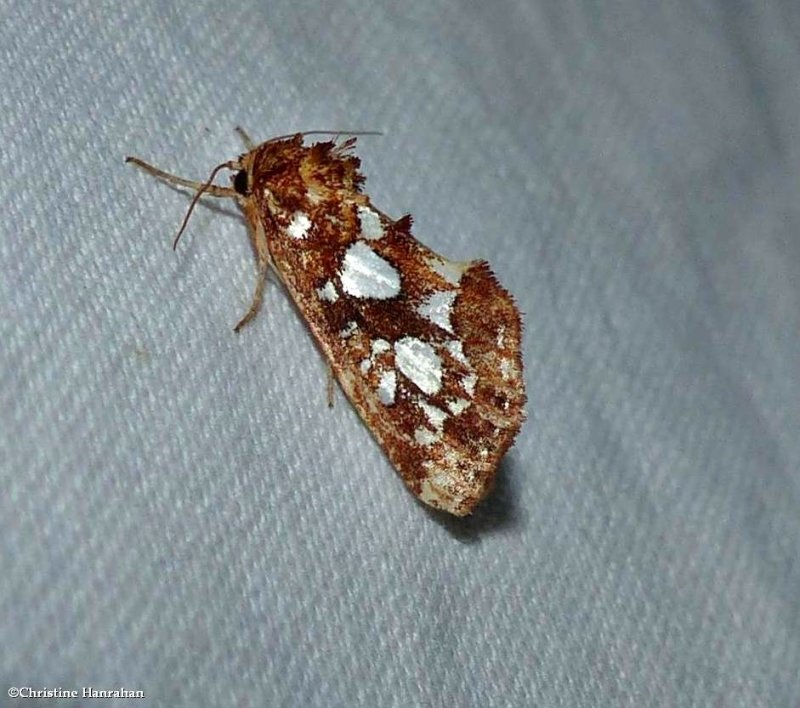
(330, 386)
(258, 296)
(213, 190)
(258, 239)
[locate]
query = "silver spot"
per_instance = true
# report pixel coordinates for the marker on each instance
(371, 227)
(365, 274)
(349, 330)
(366, 365)
(457, 350)
(379, 346)
(458, 406)
(299, 226)
(448, 270)
(419, 362)
(506, 369)
(468, 382)
(328, 292)
(425, 437)
(438, 307)
(435, 415)
(387, 387)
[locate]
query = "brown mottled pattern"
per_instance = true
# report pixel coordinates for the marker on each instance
(322, 181)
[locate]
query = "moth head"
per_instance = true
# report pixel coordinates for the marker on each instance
(242, 178)
(275, 159)
(288, 162)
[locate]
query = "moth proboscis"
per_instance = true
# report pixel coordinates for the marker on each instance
(426, 349)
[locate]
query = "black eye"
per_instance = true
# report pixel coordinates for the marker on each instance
(240, 182)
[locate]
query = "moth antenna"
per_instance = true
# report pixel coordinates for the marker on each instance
(327, 132)
(206, 186)
(341, 132)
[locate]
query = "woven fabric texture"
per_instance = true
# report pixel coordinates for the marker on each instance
(181, 514)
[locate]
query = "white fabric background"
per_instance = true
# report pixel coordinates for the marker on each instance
(180, 512)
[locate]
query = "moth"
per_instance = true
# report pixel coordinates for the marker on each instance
(426, 349)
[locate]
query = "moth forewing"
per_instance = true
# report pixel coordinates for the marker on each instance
(427, 350)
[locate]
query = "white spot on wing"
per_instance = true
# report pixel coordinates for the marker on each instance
(435, 415)
(450, 271)
(349, 330)
(387, 387)
(438, 307)
(328, 292)
(379, 346)
(419, 362)
(299, 225)
(457, 350)
(423, 436)
(366, 274)
(458, 405)
(468, 382)
(506, 369)
(371, 227)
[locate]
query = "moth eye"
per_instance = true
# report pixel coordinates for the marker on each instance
(240, 182)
